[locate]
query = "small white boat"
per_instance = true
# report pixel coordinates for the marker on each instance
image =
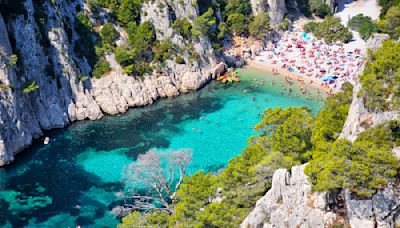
(46, 141)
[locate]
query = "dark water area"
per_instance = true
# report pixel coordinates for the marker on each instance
(77, 178)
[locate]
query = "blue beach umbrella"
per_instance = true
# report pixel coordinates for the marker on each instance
(327, 78)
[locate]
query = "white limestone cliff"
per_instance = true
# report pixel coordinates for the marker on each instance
(276, 9)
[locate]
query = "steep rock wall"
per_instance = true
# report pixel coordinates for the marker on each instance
(14, 132)
(359, 118)
(276, 9)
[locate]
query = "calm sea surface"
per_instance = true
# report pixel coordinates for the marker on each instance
(83, 163)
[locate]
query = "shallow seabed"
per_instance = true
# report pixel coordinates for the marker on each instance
(83, 163)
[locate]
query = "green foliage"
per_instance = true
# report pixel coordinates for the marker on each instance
(331, 30)
(12, 60)
(311, 27)
(381, 77)
(135, 59)
(179, 60)
(163, 50)
(330, 120)
(128, 11)
(102, 67)
(85, 45)
(134, 219)
(304, 7)
(386, 4)
(319, 8)
(30, 87)
(237, 23)
(390, 23)
(183, 27)
(203, 24)
(323, 10)
(220, 215)
(363, 167)
(237, 6)
(363, 25)
(222, 30)
(259, 26)
(193, 195)
(290, 130)
(109, 34)
(142, 37)
(285, 24)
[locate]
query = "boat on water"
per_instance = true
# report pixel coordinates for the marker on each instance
(230, 76)
(46, 141)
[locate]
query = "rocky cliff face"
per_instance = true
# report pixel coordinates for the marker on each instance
(359, 118)
(291, 203)
(276, 9)
(44, 39)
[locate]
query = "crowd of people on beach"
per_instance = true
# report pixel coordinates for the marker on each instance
(300, 53)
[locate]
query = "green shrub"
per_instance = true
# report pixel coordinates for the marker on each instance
(179, 60)
(259, 26)
(363, 166)
(128, 11)
(109, 34)
(85, 45)
(363, 25)
(237, 23)
(203, 23)
(310, 26)
(12, 60)
(390, 23)
(380, 78)
(319, 8)
(330, 120)
(331, 30)
(102, 67)
(183, 27)
(30, 87)
(323, 10)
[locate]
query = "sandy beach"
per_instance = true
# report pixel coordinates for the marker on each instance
(284, 73)
(307, 60)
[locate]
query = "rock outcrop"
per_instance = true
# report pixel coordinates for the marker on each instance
(359, 118)
(375, 41)
(44, 37)
(291, 203)
(276, 9)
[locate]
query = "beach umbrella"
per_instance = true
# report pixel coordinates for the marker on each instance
(327, 78)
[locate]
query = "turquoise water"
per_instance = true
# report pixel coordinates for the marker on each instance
(83, 164)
